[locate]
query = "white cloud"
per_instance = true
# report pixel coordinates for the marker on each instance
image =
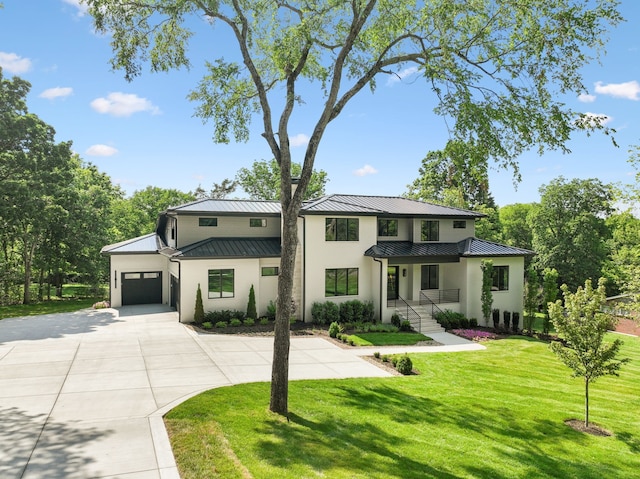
(586, 98)
(14, 63)
(101, 150)
(299, 140)
(57, 92)
(123, 104)
(365, 170)
(82, 8)
(629, 90)
(396, 77)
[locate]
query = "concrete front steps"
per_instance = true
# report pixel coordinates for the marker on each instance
(427, 323)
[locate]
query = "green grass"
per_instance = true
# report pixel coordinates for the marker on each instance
(387, 339)
(46, 307)
(485, 414)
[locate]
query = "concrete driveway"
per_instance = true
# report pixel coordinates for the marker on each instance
(82, 394)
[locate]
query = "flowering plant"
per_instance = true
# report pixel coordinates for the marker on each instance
(474, 334)
(101, 305)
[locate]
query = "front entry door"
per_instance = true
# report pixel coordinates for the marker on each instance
(392, 282)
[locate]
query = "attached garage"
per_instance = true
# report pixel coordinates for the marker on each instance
(141, 288)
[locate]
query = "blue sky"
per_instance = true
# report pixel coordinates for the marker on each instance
(144, 132)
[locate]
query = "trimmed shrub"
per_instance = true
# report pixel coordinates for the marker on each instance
(393, 360)
(395, 320)
(473, 323)
(515, 321)
(235, 322)
(271, 311)
(251, 305)
(221, 324)
(368, 312)
(224, 315)
(198, 315)
(506, 315)
(496, 318)
(404, 365)
(376, 354)
(334, 329)
(249, 322)
(385, 358)
(405, 326)
(451, 320)
(331, 312)
(264, 321)
(318, 313)
(207, 325)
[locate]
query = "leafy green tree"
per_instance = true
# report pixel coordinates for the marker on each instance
(262, 180)
(448, 177)
(516, 229)
(495, 69)
(218, 191)
(583, 325)
(550, 293)
(569, 229)
(486, 296)
(624, 247)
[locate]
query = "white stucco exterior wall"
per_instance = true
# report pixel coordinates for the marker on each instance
(133, 263)
(511, 300)
(228, 227)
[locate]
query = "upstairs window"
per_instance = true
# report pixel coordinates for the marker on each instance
(500, 278)
(387, 227)
(207, 221)
(430, 230)
(257, 222)
(270, 271)
(461, 224)
(342, 229)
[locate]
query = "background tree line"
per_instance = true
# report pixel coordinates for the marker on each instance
(57, 211)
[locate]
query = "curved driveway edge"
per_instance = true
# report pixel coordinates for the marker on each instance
(82, 394)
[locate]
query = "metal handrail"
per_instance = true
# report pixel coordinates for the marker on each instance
(424, 299)
(439, 296)
(409, 313)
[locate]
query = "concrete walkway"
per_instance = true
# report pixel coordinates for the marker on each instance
(82, 394)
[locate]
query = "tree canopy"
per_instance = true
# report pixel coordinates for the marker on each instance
(498, 71)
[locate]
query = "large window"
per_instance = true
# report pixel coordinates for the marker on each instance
(500, 278)
(341, 229)
(207, 221)
(220, 283)
(341, 282)
(429, 276)
(430, 230)
(387, 227)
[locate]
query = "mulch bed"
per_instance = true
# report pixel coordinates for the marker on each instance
(297, 329)
(593, 429)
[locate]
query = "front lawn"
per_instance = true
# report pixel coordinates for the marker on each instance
(496, 413)
(387, 339)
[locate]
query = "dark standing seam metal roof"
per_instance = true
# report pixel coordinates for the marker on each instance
(480, 247)
(146, 244)
(383, 206)
(467, 247)
(232, 248)
(256, 207)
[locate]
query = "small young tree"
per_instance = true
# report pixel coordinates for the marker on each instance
(549, 294)
(198, 315)
(583, 325)
(531, 289)
(486, 297)
(251, 305)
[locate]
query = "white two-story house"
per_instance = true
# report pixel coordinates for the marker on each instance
(393, 251)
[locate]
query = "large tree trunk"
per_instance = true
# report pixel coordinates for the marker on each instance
(280, 369)
(28, 260)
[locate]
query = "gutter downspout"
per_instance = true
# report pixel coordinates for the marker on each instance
(378, 261)
(180, 285)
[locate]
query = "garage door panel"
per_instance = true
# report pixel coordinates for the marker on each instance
(141, 288)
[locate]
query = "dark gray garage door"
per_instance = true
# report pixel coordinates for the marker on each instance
(141, 288)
